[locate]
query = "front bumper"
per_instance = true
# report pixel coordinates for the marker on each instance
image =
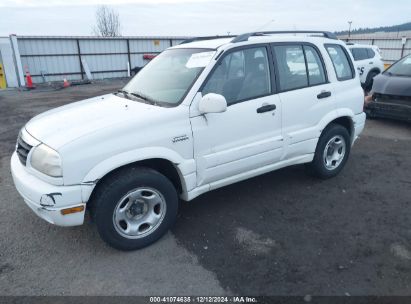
(391, 110)
(47, 200)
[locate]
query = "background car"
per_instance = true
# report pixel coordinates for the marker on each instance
(368, 62)
(392, 92)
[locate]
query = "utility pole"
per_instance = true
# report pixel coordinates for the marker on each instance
(349, 29)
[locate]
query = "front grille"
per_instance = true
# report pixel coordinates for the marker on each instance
(22, 150)
(402, 100)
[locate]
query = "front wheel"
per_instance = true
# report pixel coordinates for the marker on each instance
(332, 152)
(134, 208)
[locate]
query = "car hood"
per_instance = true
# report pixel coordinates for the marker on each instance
(62, 125)
(392, 85)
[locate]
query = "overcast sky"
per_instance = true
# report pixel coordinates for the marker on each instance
(198, 17)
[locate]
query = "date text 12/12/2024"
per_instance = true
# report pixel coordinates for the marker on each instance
(204, 299)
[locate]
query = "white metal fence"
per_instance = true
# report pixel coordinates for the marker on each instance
(51, 58)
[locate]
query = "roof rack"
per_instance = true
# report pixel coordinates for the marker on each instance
(244, 37)
(205, 38)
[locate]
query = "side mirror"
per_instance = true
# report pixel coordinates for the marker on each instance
(212, 103)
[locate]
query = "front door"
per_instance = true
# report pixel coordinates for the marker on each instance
(248, 135)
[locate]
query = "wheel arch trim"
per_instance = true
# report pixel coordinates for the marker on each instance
(374, 69)
(340, 114)
(184, 167)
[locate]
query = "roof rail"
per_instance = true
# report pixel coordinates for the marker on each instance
(244, 37)
(205, 38)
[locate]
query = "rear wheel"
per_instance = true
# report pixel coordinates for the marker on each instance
(332, 152)
(134, 208)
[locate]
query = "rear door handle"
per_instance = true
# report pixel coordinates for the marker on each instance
(371, 62)
(266, 108)
(324, 94)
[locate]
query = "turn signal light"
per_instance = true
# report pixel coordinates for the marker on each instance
(72, 210)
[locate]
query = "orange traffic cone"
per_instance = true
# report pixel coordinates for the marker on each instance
(29, 81)
(66, 84)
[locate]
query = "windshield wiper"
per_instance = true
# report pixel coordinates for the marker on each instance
(397, 75)
(402, 75)
(140, 96)
(144, 97)
(125, 93)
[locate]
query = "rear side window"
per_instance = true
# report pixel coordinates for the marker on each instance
(315, 67)
(359, 54)
(341, 62)
(370, 53)
(291, 67)
(298, 66)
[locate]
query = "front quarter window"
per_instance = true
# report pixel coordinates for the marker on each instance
(168, 77)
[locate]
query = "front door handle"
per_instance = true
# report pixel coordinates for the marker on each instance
(266, 108)
(324, 94)
(371, 62)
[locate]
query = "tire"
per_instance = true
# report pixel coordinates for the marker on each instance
(134, 207)
(336, 139)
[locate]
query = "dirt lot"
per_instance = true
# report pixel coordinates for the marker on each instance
(282, 233)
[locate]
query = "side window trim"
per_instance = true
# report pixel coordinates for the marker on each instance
(302, 44)
(348, 59)
(306, 65)
(220, 58)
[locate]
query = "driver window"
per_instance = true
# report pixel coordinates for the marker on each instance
(241, 75)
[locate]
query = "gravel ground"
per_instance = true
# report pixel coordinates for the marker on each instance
(282, 233)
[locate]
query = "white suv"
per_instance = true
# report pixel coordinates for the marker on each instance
(367, 59)
(201, 115)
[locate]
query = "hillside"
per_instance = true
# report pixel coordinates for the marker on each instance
(392, 28)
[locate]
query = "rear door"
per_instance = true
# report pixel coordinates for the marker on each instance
(247, 135)
(362, 61)
(305, 92)
(348, 91)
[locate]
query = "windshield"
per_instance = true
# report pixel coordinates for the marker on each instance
(401, 68)
(168, 77)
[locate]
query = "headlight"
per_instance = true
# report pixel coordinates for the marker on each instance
(46, 160)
